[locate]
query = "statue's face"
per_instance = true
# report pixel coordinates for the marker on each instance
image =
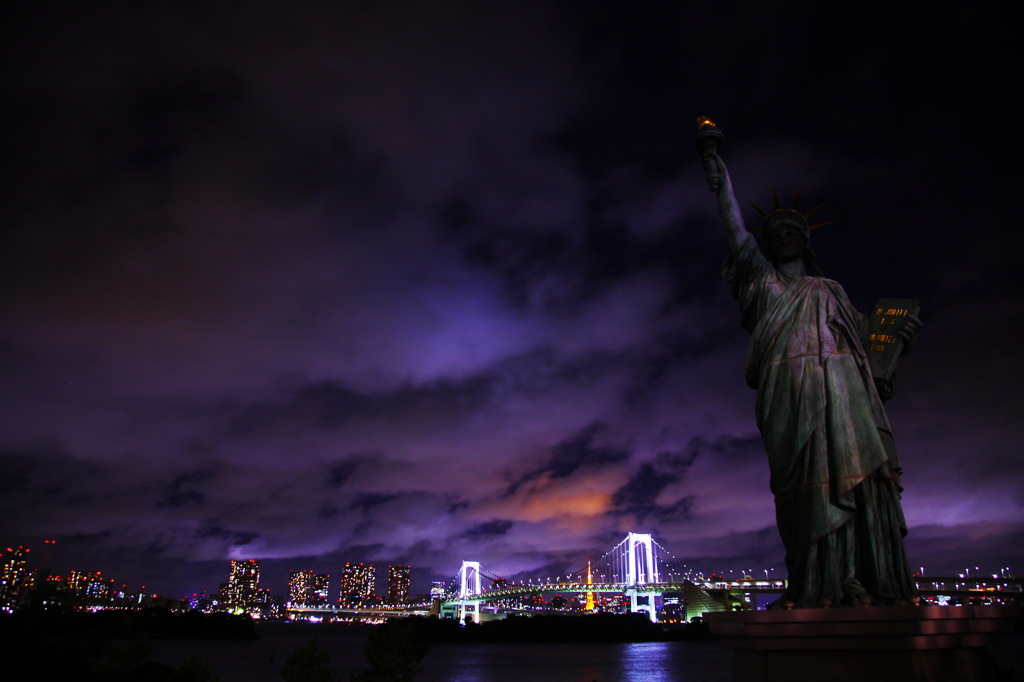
(786, 244)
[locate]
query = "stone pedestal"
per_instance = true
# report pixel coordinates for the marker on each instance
(868, 644)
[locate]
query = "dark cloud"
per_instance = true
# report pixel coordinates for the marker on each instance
(17, 472)
(341, 472)
(179, 492)
(319, 406)
(367, 502)
(233, 538)
(639, 493)
(327, 512)
(579, 451)
(489, 529)
(641, 499)
(46, 476)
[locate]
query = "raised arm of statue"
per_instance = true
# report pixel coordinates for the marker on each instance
(728, 208)
(708, 138)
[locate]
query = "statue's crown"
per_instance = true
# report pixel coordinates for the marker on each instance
(787, 216)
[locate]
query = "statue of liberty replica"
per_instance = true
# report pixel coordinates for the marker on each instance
(821, 370)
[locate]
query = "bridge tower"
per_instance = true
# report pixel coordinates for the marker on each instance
(469, 587)
(641, 569)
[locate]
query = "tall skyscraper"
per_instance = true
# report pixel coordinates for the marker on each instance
(398, 584)
(241, 593)
(15, 578)
(307, 589)
(357, 583)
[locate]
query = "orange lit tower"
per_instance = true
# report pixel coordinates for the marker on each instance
(590, 595)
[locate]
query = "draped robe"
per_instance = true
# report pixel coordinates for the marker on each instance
(834, 470)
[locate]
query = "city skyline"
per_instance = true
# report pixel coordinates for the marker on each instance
(418, 282)
(23, 587)
(244, 577)
(20, 570)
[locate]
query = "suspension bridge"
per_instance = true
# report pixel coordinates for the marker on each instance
(641, 574)
(638, 568)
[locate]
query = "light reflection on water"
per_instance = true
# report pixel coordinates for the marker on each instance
(642, 662)
(649, 661)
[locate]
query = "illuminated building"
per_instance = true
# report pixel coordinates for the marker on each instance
(398, 584)
(357, 583)
(241, 594)
(15, 578)
(88, 585)
(437, 589)
(307, 589)
(266, 605)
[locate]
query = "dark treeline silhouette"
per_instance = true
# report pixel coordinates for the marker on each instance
(100, 647)
(154, 623)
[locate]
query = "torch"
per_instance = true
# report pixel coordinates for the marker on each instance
(707, 140)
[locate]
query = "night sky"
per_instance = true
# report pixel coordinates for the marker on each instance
(418, 282)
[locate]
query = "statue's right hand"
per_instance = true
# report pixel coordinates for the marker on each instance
(714, 171)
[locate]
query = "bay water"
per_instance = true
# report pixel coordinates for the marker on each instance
(262, 660)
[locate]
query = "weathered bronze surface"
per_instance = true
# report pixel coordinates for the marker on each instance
(834, 470)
